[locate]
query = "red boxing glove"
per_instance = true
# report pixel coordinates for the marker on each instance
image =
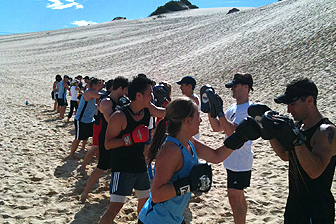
(138, 135)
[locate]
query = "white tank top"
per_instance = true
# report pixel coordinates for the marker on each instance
(74, 93)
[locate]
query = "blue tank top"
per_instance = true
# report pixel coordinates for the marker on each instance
(172, 210)
(86, 110)
(62, 92)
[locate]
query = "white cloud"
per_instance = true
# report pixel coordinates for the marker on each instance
(57, 4)
(83, 23)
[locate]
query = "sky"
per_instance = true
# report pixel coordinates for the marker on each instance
(23, 16)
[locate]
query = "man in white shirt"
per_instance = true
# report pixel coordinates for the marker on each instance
(239, 163)
(187, 86)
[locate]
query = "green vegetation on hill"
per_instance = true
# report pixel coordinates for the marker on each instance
(174, 6)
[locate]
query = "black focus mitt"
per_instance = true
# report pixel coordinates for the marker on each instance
(161, 95)
(205, 104)
(216, 104)
(283, 129)
(199, 180)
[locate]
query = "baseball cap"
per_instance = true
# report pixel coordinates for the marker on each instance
(187, 80)
(296, 90)
(66, 77)
(86, 77)
(244, 79)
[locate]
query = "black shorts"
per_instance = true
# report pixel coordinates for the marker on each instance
(123, 183)
(83, 130)
(238, 180)
(62, 102)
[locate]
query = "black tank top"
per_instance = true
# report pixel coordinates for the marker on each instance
(311, 196)
(130, 159)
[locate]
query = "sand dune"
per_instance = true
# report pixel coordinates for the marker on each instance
(275, 43)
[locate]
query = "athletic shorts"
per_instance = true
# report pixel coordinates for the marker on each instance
(122, 185)
(238, 180)
(83, 130)
(62, 102)
(96, 130)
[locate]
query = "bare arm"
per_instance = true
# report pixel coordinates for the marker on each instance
(169, 161)
(278, 149)
(324, 147)
(91, 94)
(106, 108)
(209, 154)
(66, 86)
(222, 124)
(157, 111)
(116, 124)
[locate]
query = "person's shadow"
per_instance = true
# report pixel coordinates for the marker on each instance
(91, 213)
(65, 170)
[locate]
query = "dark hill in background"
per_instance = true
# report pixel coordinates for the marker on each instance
(174, 6)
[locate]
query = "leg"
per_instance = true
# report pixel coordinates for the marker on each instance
(62, 112)
(238, 205)
(111, 213)
(74, 146)
(141, 203)
(89, 155)
(83, 144)
(71, 110)
(55, 105)
(92, 180)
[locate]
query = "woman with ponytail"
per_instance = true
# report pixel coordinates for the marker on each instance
(176, 152)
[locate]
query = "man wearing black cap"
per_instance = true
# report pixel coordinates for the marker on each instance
(311, 156)
(187, 86)
(239, 163)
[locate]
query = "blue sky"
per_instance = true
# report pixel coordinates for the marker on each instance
(22, 16)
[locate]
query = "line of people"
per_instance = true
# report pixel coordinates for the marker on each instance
(308, 144)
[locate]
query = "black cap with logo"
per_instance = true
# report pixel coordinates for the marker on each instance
(296, 90)
(244, 79)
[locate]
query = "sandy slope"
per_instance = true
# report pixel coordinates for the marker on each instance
(275, 43)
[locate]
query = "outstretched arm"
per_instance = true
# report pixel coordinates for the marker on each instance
(156, 111)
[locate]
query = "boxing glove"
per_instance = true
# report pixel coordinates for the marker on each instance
(138, 135)
(216, 104)
(256, 111)
(246, 130)
(283, 129)
(199, 179)
(205, 105)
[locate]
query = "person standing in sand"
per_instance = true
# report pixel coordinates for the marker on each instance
(54, 93)
(178, 172)
(126, 134)
(116, 88)
(187, 86)
(310, 147)
(84, 116)
(239, 163)
(74, 90)
(63, 86)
